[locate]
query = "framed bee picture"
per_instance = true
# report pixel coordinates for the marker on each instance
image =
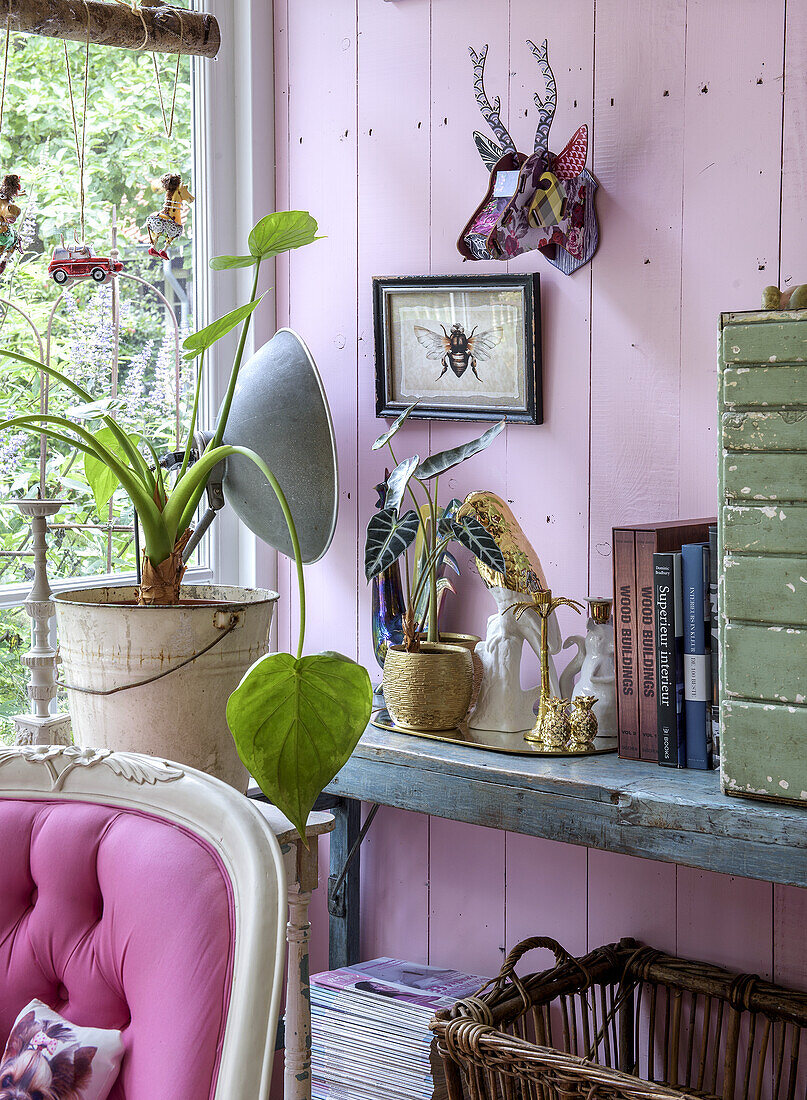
(466, 347)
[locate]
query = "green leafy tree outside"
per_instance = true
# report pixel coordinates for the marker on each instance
(127, 152)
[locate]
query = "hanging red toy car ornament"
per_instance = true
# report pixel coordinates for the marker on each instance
(78, 261)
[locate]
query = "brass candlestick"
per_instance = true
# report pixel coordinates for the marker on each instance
(543, 603)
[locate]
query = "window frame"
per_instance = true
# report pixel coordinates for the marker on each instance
(228, 93)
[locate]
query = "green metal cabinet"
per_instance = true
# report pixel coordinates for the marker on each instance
(762, 546)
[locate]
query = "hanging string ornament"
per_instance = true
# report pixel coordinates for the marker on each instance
(81, 143)
(165, 226)
(10, 186)
(78, 260)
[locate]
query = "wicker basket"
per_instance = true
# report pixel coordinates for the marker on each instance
(625, 1022)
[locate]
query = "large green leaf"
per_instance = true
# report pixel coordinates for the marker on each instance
(387, 538)
(200, 341)
(384, 439)
(470, 533)
(282, 231)
(447, 460)
(398, 481)
(295, 723)
(102, 480)
(225, 263)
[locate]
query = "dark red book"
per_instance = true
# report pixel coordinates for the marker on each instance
(627, 699)
(650, 539)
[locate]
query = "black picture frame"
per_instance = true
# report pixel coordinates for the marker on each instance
(528, 411)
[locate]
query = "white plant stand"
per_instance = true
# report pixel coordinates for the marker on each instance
(40, 727)
(302, 876)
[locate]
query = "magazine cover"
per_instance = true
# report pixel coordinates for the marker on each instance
(427, 987)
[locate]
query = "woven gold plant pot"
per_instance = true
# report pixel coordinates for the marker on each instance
(431, 689)
(469, 642)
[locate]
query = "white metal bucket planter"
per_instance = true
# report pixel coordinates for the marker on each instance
(156, 679)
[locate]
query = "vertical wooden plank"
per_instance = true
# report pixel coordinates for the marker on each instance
(733, 104)
(393, 204)
(793, 232)
(394, 886)
(466, 907)
(789, 925)
(545, 894)
(459, 180)
(322, 308)
(638, 154)
(547, 478)
(725, 920)
(393, 199)
(630, 897)
(281, 624)
(463, 859)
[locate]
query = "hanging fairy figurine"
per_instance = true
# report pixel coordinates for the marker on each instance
(166, 224)
(10, 189)
(11, 186)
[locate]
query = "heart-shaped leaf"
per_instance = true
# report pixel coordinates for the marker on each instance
(447, 460)
(102, 480)
(225, 263)
(295, 723)
(387, 538)
(384, 439)
(200, 341)
(282, 231)
(470, 533)
(398, 481)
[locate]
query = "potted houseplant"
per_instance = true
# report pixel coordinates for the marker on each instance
(428, 682)
(142, 673)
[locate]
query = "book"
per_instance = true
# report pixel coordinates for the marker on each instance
(370, 1029)
(697, 659)
(648, 539)
(627, 700)
(669, 659)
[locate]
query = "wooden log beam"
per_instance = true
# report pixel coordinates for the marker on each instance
(162, 28)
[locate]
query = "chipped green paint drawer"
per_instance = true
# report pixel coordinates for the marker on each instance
(769, 529)
(765, 589)
(765, 662)
(762, 541)
(762, 387)
(748, 729)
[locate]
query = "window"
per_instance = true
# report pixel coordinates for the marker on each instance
(118, 338)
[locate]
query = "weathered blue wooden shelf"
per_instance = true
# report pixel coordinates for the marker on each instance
(599, 801)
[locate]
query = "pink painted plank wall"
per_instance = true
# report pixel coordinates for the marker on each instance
(703, 171)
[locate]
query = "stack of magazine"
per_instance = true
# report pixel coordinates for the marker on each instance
(370, 1029)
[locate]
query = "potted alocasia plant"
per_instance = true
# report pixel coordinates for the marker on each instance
(140, 668)
(428, 683)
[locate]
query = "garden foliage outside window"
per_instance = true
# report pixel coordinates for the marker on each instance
(127, 152)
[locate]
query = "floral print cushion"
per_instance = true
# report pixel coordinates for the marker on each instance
(47, 1056)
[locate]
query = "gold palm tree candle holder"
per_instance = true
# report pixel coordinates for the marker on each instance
(544, 604)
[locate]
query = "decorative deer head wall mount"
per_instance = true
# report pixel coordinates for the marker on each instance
(543, 200)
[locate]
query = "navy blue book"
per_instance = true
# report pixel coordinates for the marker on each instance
(697, 658)
(669, 659)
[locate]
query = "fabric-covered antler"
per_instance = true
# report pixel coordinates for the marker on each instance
(489, 152)
(545, 106)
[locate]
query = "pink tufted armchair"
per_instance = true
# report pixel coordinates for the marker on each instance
(139, 895)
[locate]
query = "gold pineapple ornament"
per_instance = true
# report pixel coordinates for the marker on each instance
(553, 728)
(583, 722)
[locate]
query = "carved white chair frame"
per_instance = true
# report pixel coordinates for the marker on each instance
(247, 846)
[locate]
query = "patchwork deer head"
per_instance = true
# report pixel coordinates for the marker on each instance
(542, 201)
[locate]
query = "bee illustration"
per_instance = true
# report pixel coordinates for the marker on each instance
(456, 350)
